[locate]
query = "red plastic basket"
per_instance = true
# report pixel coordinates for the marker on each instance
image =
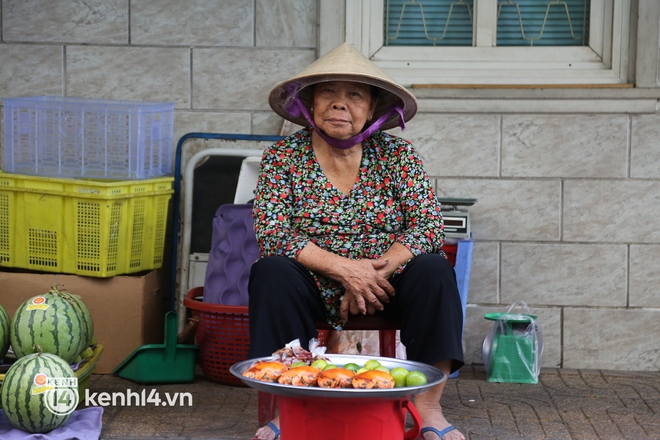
(223, 336)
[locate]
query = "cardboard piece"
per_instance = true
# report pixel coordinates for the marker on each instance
(128, 311)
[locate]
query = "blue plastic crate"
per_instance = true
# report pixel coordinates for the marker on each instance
(95, 138)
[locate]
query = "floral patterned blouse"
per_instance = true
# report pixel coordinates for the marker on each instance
(391, 201)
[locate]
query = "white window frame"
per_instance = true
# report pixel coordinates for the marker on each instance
(604, 61)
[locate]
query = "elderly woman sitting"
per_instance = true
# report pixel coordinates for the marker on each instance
(348, 223)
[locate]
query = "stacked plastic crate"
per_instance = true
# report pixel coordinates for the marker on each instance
(86, 185)
(84, 192)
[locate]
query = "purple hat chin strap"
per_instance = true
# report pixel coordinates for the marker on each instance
(296, 108)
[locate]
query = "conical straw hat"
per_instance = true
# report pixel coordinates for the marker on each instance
(344, 63)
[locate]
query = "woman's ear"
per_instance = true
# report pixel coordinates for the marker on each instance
(372, 109)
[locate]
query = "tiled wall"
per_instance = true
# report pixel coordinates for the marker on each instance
(566, 220)
(567, 212)
(216, 59)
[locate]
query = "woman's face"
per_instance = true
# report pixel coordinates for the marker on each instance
(341, 108)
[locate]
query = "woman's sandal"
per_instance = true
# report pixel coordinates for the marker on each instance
(274, 428)
(440, 434)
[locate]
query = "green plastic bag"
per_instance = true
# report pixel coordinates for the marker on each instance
(512, 349)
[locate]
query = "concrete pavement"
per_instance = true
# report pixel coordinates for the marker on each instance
(565, 404)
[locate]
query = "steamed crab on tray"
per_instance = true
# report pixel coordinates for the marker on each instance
(267, 371)
(336, 378)
(303, 376)
(308, 376)
(295, 371)
(373, 379)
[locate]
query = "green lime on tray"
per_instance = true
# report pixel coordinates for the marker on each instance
(415, 379)
(320, 364)
(371, 364)
(352, 366)
(399, 374)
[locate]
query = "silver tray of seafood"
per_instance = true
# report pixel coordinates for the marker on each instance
(433, 375)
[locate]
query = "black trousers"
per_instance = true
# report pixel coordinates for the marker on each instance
(285, 301)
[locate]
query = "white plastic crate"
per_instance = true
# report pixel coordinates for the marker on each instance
(95, 138)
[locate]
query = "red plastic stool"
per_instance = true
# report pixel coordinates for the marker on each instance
(331, 418)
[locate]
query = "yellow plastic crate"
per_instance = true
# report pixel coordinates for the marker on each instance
(83, 227)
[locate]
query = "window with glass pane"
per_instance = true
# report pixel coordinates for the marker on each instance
(543, 23)
(519, 22)
(428, 23)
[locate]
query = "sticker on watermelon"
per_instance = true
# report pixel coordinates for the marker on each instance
(37, 303)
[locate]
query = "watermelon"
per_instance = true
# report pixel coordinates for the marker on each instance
(29, 397)
(54, 323)
(4, 332)
(87, 319)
